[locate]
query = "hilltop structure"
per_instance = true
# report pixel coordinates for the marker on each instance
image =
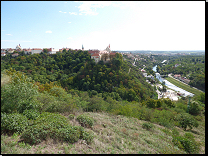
(104, 55)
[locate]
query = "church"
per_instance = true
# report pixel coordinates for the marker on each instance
(104, 55)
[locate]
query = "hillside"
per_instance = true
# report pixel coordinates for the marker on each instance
(76, 70)
(112, 135)
(45, 118)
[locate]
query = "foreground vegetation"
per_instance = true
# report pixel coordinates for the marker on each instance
(47, 119)
(183, 86)
(115, 135)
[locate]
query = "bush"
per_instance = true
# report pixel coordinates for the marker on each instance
(88, 137)
(71, 116)
(186, 143)
(165, 122)
(97, 104)
(49, 103)
(85, 121)
(52, 119)
(31, 114)
(70, 134)
(169, 103)
(181, 106)
(50, 125)
(16, 96)
(186, 120)
(147, 125)
(15, 122)
(195, 108)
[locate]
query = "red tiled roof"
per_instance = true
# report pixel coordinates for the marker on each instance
(96, 54)
(36, 49)
(15, 54)
(112, 53)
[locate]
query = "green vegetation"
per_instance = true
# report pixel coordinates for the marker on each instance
(183, 86)
(85, 121)
(189, 66)
(120, 114)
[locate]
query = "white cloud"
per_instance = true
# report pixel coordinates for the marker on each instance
(30, 31)
(62, 12)
(69, 38)
(69, 22)
(72, 13)
(9, 34)
(48, 31)
(90, 8)
(3, 30)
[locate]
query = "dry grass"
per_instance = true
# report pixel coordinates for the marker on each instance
(112, 135)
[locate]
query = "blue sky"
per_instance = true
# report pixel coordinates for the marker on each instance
(125, 25)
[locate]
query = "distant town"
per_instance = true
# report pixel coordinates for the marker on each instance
(96, 54)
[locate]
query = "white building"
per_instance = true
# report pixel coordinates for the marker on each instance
(3, 54)
(53, 51)
(18, 47)
(36, 51)
(96, 57)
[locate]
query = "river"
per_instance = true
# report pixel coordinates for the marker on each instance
(170, 85)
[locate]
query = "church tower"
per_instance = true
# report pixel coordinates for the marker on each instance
(82, 48)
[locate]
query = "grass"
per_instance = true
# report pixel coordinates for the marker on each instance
(120, 135)
(183, 86)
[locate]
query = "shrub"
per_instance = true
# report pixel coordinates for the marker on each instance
(151, 103)
(70, 134)
(165, 122)
(195, 108)
(31, 114)
(96, 104)
(147, 125)
(186, 120)
(85, 121)
(87, 136)
(52, 119)
(181, 106)
(169, 103)
(16, 96)
(50, 125)
(186, 143)
(71, 116)
(15, 122)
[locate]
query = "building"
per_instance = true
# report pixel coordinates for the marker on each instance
(82, 48)
(93, 51)
(104, 55)
(52, 51)
(36, 51)
(96, 57)
(177, 76)
(3, 51)
(27, 51)
(15, 55)
(18, 48)
(3, 54)
(10, 50)
(145, 74)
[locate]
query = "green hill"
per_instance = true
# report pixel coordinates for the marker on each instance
(44, 118)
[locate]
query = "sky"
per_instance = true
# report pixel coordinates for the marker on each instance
(125, 25)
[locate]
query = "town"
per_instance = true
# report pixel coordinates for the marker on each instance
(104, 55)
